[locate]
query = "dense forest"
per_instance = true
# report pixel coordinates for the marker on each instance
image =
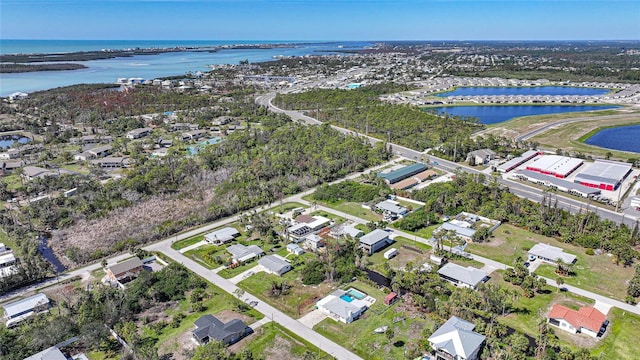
(361, 110)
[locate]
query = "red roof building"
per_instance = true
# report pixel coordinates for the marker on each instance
(391, 298)
(587, 320)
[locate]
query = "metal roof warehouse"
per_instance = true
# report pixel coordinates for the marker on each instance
(403, 173)
(555, 165)
(604, 174)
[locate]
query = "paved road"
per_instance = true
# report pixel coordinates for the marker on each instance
(267, 310)
(517, 188)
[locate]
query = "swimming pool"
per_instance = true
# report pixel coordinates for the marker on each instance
(356, 294)
(346, 298)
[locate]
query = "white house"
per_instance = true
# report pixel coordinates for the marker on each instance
(222, 236)
(20, 310)
(343, 307)
(241, 253)
(456, 340)
(551, 254)
(374, 241)
(294, 249)
(138, 133)
(313, 242)
(463, 277)
(274, 264)
(587, 320)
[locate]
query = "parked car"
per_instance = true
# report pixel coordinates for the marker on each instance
(526, 264)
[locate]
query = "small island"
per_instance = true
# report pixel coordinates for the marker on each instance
(22, 68)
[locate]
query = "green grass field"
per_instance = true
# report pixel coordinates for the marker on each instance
(272, 339)
(510, 242)
(187, 242)
(621, 340)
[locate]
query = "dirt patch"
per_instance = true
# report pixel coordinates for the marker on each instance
(280, 349)
(228, 315)
(493, 242)
(181, 346)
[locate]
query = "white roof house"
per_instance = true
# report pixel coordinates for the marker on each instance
(392, 207)
(551, 254)
(241, 253)
(52, 353)
(295, 249)
(341, 307)
(456, 339)
(374, 241)
(463, 232)
(460, 276)
(19, 310)
(274, 264)
(221, 236)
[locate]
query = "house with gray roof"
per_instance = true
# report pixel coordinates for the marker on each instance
(374, 241)
(463, 277)
(456, 340)
(33, 172)
(462, 232)
(208, 328)
(222, 236)
(481, 157)
(138, 133)
(392, 208)
(274, 264)
(294, 249)
(52, 353)
(241, 253)
(551, 254)
(20, 310)
(127, 269)
(101, 151)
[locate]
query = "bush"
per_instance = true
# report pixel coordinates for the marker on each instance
(589, 251)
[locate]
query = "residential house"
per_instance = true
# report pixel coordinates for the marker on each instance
(313, 242)
(138, 133)
(463, 277)
(274, 264)
(314, 223)
(52, 353)
(390, 298)
(18, 96)
(587, 320)
(10, 154)
(112, 162)
(101, 151)
(456, 340)
(179, 126)
(208, 328)
(346, 230)
(127, 269)
(83, 156)
(374, 241)
(222, 236)
(33, 172)
(10, 166)
(298, 231)
(241, 253)
(20, 310)
(193, 135)
(7, 259)
(462, 232)
(551, 254)
(91, 139)
(481, 157)
(294, 249)
(342, 307)
(392, 208)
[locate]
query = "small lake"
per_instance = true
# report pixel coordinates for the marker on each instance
(624, 138)
(494, 114)
(7, 141)
(523, 90)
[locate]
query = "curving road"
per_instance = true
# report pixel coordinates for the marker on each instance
(540, 130)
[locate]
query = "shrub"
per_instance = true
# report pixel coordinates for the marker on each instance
(589, 251)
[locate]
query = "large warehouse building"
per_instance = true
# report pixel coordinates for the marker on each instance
(555, 165)
(403, 173)
(517, 161)
(604, 174)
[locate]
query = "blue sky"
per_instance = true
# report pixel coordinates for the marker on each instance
(320, 19)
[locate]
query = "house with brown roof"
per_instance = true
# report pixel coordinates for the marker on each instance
(124, 270)
(587, 320)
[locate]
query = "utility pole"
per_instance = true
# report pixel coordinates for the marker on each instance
(455, 148)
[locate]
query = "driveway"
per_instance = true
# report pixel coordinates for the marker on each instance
(245, 274)
(311, 319)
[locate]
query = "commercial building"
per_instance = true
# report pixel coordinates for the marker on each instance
(456, 340)
(555, 165)
(517, 161)
(555, 183)
(403, 173)
(603, 174)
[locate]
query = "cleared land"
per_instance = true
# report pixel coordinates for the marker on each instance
(509, 242)
(274, 342)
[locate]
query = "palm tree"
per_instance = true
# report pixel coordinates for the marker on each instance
(559, 282)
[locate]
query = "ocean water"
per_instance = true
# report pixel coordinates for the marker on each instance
(625, 138)
(525, 91)
(143, 66)
(497, 114)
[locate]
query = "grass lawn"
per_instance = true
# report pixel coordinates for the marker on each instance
(229, 273)
(409, 251)
(618, 342)
(13, 181)
(300, 299)
(425, 233)
(510, 242)
(272, 340)
(336, 218)
(218, 300)
(529, 311)
(206, 252)
(351, 208)
(359, 336)
(187, 242)
(8, 242)
(287, 207)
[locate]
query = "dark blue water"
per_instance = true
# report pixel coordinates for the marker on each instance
(497, 114)
(625, 138)
(48, 254)
(7, 141)
(531, 90)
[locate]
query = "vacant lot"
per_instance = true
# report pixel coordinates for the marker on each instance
(621, 338)
(298, 301)
(273, 342)
(510, 243)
